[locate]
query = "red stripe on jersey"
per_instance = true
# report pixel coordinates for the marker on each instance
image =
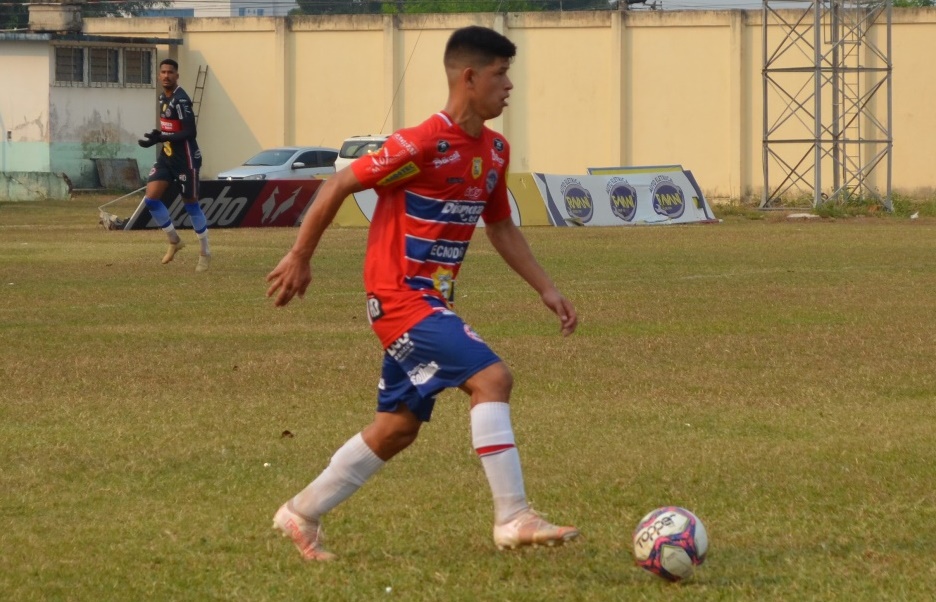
(489, 450)
(170, 126)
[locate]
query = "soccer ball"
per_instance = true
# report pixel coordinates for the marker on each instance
(670, 542)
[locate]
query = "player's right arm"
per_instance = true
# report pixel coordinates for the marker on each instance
(293, 274)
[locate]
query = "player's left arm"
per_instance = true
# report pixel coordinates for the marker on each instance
(512, 246)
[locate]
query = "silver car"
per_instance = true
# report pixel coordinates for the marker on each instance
(285, 163)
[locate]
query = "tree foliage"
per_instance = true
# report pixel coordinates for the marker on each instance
(14, 14)
(127, 8)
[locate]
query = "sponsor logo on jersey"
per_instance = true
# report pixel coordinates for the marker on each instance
(381, 159)
(476, 166)
(170, 125)
(454, 180)
(473, 193)
(472, 334)
(578, 201)
(448, 251)
(623, 198)
(443, 280)
(465, 212)
(422, 373)
(497, 159)
(668, 199)
(440, 161)
(491, 180)
(401, 348)
(406, 171)
(442, 146)
(374, 309)
(499, 145)
(406, 144)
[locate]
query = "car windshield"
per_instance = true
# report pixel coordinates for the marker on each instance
(352, 149)
(270, 157)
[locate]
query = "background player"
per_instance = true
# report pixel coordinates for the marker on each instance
(179, 160)
(433, 183)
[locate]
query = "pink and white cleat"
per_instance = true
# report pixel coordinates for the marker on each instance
(530, 529)
(305, 533)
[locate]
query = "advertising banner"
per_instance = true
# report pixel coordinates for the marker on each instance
(629, 196)
(238, 204)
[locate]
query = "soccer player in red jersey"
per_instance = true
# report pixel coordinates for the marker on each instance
(433, 181)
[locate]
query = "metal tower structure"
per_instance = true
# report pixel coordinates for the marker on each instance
(827, 100)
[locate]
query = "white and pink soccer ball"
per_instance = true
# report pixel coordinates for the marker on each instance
(670, 542)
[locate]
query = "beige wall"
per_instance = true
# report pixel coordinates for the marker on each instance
(24, 107)
(591, 89)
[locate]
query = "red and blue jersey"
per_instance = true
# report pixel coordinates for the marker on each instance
(433, 183)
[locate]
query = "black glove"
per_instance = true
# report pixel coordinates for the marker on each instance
(147, 142)
(154, 135)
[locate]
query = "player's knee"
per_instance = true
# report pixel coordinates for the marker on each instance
(404, 438)
(494, 383)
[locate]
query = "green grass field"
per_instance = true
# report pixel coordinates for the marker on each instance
(777, 378)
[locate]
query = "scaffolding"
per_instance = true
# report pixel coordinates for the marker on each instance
(827, 101)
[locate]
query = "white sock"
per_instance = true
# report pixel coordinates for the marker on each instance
(203, 240)
(171, 232)
(351, 466)
(493, 440)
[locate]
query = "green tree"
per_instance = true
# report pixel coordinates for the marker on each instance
(336, 7)
(913, 3)
(126, 8)
(14, 14)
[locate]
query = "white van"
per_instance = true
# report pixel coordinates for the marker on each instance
(358, 146)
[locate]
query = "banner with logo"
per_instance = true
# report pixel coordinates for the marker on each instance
(631, 196)
(237, 204)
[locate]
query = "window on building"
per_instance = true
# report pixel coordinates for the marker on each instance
(138, 67)
(69, 64)
(104, 65)
(110, 65)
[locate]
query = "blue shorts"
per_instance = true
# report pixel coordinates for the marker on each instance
(439, 352)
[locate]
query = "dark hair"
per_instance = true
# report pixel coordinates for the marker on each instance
(174, 64)
(478, 44)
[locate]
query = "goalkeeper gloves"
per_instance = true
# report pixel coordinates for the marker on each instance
(150, 138)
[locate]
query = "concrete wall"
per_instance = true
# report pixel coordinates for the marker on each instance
(61, 129)
(34, 186)
(591, 89)
(24, 107)
(99, 123)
